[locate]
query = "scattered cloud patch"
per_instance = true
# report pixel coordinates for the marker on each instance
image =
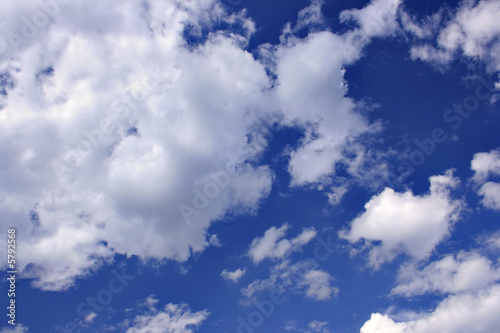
(471, 30)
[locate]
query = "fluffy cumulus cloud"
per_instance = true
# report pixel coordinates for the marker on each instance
(129, 128)
(404, 222)
(302, 277)
(172, 318)
(486, 165)
(273, 245)
(472, 30)
(468, 271)
(234, 276)
(466, 312)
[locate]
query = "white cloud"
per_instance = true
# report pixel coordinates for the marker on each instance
(273, 245)
(490, 192)
(404, 222)
(469, 271)
(18, 328)
(301, 277)
(215, 241)
(473, 30)
(310, 16)
(492, 241)
(319, 326)
(90, 317)
(233, 276)
(173, 318)
(469, 312)
(313, 326)
(318, 285)
(378, 18)
(486, 165)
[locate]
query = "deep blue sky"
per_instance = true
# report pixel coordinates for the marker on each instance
(407, 96)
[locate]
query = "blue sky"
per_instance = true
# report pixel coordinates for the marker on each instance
(251, 166)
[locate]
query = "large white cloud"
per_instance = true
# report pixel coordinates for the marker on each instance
(404, 222)
(121, 135)
(468, 312)
(125, 126)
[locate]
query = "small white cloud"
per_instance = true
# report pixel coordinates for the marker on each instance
(172, 318)
(490, 192)
(486, 165)
(233, 276)
(273, 245)
(492, 241)
(319, 326)
(302, 277)
(469, 271)
(215, 241)
(318, 285)
(405, 222)
(378, 18)
(150, 302)
(291, 325)
(90, 317)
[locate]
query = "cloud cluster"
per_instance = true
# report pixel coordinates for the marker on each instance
(471, 30)
(300, 277)
(468, 279)
(123, 122)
